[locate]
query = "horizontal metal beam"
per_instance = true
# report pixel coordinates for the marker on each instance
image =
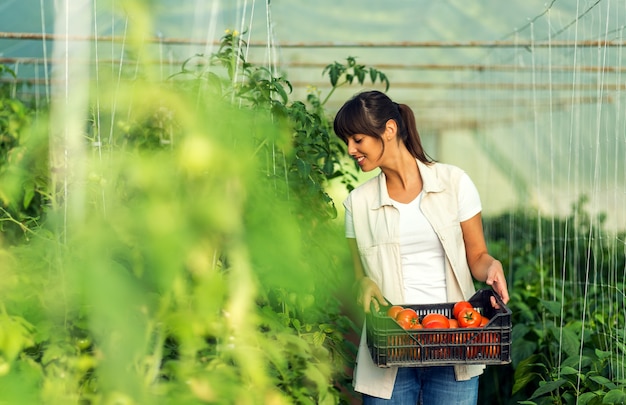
(381, 66)
(433, 85)
(331, 44)
(487, 86)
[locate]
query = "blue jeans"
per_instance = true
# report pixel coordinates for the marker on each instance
(429, 386)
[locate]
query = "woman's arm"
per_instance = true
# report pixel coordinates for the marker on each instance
(367, 291)
(482, 265)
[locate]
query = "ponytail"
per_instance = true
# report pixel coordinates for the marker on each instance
(411, 136)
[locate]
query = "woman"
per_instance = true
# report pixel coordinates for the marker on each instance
(416, 237)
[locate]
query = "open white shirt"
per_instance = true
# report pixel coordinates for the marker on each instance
(422, 255)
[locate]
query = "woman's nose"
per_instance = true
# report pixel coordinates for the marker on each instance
(351, 147)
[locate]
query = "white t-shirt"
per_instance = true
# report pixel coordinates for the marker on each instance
(423, 260)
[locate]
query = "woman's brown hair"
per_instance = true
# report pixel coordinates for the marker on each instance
(368, 112)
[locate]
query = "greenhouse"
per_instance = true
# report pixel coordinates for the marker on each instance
(172, 188)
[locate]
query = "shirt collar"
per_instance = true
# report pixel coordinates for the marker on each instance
(430, 183)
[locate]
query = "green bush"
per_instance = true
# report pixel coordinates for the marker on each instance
(566, 282)
(204, 266)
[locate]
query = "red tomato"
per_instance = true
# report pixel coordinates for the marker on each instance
(453, 323)
(484, 321)
(394, 310)
(469, 318)
(459, 306)
(435, 321)
(407, 318)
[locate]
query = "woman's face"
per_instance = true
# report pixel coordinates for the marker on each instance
(366, 150)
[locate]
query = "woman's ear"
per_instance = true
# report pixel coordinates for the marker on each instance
(391, 129)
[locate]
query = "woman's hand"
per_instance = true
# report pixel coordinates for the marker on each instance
(497, 281)
(368, 292)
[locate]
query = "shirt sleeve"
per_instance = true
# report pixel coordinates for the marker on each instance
(349, 224)
(469, 199)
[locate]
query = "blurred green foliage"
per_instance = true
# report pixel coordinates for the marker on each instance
(206, 266)
(23, 168)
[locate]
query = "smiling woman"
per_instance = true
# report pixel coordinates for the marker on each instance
(408, 228)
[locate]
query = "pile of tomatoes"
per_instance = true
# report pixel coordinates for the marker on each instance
(464, 315)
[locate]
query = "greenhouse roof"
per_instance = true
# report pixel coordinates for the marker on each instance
(437, 55)
(537, 85)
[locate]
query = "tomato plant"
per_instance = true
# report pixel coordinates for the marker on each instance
(176, 325)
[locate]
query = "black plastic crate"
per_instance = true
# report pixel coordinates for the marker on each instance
(391, 345)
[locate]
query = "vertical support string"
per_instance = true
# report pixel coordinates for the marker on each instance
(211, 30)
(97, 127)
(44, 44)
(68, 110)
(118, 83)
(585, 285)
(552, 295)
(566, 231)
(537, 162)
(237, 61)
(595, 236)
(620, 139)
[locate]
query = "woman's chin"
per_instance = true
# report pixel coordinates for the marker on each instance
(366, 169)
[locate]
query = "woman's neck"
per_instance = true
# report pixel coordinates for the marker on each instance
(404, 182)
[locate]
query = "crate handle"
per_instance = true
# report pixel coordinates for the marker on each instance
(493, 293)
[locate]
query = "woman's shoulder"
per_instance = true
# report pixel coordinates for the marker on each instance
(445, 167)
(368, 189)
(446, 170)
(369, 185)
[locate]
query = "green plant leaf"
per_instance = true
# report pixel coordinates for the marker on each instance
(586, 397)
(524, 373)
(603, 381)
(373, 75)
(522, 349)
(569, 341)
(319, 338)
(602, 354)
(281, 92)
(554, 307)
(568, 370)
(384, 79)
(615, 396)
(29, 194)
(360, 74)
(548, 387)
(522, 380)
(576, 361)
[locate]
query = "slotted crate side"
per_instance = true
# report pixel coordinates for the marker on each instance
(391, 345)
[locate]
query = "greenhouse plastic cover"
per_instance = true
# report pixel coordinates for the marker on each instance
(527, 97)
